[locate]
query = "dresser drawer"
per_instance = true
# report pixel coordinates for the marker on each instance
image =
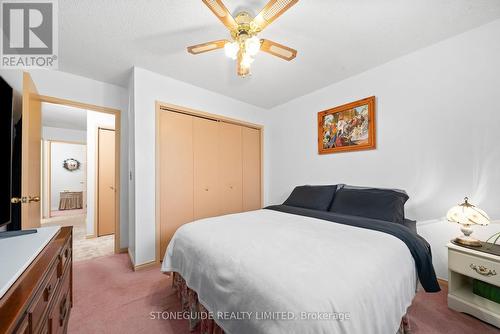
(43, 298)
(45, 328)
(23, 327)
(475, 267)
(59, 313)
(65, 257)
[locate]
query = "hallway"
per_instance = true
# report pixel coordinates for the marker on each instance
(83, 248)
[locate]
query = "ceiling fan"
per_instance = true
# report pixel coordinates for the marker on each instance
(244, 29)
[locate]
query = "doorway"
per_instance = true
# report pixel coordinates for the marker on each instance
(31, 176)
(64, 169)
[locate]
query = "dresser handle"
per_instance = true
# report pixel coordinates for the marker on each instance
(63, 310)
(482, 270)
(48, 291)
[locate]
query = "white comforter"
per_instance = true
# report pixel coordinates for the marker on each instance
(269, 261)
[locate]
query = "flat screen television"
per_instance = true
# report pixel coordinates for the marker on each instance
(6, 138)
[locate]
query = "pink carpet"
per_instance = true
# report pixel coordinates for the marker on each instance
(110, 298)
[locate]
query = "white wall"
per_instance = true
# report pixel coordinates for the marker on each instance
(74, 87)
(94, 121)
(437, 132)
(58, 134)
(149, 87)
(131, 162)
(61, 179)
(77, 88)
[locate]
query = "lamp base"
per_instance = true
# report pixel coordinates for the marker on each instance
(468, 241)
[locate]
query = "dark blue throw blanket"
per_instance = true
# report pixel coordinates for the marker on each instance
(419, 248)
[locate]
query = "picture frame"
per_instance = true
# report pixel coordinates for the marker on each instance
(349, 127)
(71, 164)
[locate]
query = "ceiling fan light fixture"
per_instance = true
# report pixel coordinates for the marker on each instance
(246, 60)
(244, 28)
(231, 49)
(252, 46)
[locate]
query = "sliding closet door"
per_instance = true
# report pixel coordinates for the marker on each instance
(206, 165)
(176, 174)
(230, 168)
(251, 147)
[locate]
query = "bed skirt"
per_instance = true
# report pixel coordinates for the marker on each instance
(201, 323)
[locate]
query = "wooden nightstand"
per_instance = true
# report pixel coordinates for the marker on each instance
(464, 265)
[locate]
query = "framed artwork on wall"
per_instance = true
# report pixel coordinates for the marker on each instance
(350, 127)
(71, 164)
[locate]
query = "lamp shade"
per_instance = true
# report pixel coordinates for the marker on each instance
(231, 49)
(467, 214)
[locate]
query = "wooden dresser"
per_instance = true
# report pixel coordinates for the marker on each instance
(41, 298)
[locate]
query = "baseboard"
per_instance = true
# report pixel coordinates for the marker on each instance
(140, 266)
(131, 258)
(90, 236)
(430, 221)
(123, 250)
(443, 282)
(145, 265)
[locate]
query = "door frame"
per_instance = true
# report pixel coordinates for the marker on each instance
(117, 114)
(96, 186)
(167, 107)
(49, 171)
(30, 184)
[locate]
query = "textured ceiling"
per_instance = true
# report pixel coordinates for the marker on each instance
(335, 39)
(59, 116)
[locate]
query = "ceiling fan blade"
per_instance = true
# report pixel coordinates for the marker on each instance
(218, 8)
(273, 10)
(205, 47)
(278, 50)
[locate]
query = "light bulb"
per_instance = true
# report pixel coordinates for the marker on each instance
(231, 49)
(252, 46)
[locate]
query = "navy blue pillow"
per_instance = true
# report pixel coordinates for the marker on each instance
(312, 197)
(411, 224)
(382, 204)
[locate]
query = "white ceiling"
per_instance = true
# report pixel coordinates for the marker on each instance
(335, 39)
(59, 116)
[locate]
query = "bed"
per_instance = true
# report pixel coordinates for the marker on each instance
(297, 269)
